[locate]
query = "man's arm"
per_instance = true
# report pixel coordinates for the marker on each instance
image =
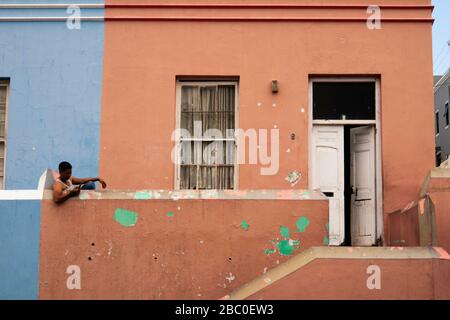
(85, 180)
(59, 195)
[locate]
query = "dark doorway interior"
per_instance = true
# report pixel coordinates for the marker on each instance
(344, 101)
(347, 190)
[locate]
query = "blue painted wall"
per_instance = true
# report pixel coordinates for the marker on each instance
(53, 114)
(55, 93)
(19, 248)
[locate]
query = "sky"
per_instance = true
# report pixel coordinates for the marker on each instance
(441, 34)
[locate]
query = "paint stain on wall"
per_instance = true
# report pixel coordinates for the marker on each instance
(302, 223)
(170, 214)
(326, 241)
(284, 231)
(245, 225)
(285, 248)
(293, 177)
(125, 217)
(142, 195)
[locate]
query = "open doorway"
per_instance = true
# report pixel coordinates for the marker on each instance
(344, 158)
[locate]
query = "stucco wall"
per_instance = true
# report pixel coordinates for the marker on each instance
(177, 249)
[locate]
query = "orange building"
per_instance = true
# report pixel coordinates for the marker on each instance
(253, 149)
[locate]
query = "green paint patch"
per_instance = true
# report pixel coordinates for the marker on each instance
(170, 214)
(327, 225)
(302, 223)
(269, 251)
(325, 241)
(125, 218)
(284, 231)
(245, 225)
(285, 248)
(142, 195)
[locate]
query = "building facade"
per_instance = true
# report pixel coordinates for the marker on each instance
(302, 97)
(441, 100)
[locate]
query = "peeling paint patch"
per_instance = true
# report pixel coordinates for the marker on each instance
(302, 223)
(293, 177)
(270, 251)
(285, 248)
(83, 196)
(325, 240)
(142, 195)
(110, 247)
(156, 195)
(245, 225)
(125, 217)
(230, 277)
(170, 214)
(284, 231)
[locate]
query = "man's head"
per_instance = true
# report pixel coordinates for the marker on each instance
(65, 170)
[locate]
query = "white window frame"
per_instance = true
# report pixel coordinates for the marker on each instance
(5, 83)
(378, 147)
(179, 85)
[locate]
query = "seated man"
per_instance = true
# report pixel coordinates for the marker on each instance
(67, 186)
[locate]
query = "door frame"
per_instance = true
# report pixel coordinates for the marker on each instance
(379, 221)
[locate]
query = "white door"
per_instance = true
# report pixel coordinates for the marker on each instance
(327, 167)
(362, 179)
